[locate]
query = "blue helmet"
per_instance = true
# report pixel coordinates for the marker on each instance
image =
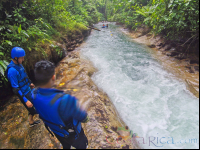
(17, 52)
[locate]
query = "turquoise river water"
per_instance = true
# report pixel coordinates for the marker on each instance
(155, 105)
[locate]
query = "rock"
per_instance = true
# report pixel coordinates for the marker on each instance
(181, 56)
(152, 46)
(109, 131)
(179, 48)
(173, 44)
(114, 128)
(172, 54)
(104, 147)
(167, 47)
(73, 42)
(117, 23)
(64, 40)
(80, 40)
(73, 46)
(97, 141)
(172, 49)
(196, 68)
(160, 44)
(118, 146)
(188, 67)
(194, 61)
(191, 69)
(70, 49)
(125, 147)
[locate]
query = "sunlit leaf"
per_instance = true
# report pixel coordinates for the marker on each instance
(24, 32)
(20, 28)
(75, 90)
(1, 47)
(61, 84)
(51, 145)
(139, 12)
(9, 42)
(3, 64)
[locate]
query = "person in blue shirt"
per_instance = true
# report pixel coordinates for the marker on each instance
(20, 82)
(59, 111)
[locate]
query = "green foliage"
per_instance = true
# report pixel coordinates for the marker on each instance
(173, 18)
(127, 12)
(3, 66)
(28, 23)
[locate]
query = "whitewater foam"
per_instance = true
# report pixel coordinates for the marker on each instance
(152, 102)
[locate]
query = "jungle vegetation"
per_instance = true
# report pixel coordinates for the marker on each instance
(177, 20)
(32, 23)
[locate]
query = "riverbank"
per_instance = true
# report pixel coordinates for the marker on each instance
(184, 68)
(73, 76)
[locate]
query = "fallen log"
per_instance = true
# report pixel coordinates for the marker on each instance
(93, 28)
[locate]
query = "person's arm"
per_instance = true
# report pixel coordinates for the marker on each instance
(69, 108)
(12, 76)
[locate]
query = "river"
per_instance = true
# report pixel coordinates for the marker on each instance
(155, 105)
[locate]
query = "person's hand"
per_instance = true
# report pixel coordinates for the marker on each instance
(32, 86)
(29, 104)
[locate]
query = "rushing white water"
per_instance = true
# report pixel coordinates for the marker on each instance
(150, 100)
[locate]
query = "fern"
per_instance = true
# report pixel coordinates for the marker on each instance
(1, 70)
(142, 13)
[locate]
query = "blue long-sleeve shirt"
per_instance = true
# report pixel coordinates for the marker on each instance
(66, 107)
(14, 77)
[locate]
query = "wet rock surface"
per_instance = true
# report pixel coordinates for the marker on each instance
(15, 132)
(73, 76)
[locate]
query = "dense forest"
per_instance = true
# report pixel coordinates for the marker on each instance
(36, 24)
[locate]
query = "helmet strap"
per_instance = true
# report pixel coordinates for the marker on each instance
(17, 60)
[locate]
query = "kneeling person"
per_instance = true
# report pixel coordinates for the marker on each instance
(59, 111)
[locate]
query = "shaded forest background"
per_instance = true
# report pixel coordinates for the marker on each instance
(38, 25)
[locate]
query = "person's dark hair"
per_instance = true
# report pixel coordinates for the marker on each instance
(44, 71)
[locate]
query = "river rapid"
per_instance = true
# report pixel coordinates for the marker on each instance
(155, 105)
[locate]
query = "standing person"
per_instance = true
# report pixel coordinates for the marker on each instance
(59, 111)
(20, 82)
